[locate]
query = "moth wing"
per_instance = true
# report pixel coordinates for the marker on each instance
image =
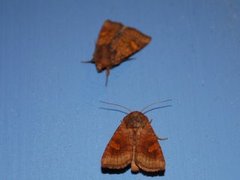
(108, 32)
(128, 42)
(118, 153)
(148, 154)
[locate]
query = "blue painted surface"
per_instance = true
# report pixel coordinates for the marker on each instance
(51, 126)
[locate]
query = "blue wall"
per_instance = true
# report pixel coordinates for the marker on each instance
(51, 126)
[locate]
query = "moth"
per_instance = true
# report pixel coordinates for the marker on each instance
(115, 44)
(134, 143)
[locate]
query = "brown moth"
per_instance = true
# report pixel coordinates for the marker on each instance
(134, 142)
(115, 44)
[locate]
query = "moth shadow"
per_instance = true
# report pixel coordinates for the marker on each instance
(152, 174)
(121, 171)
(114, 171)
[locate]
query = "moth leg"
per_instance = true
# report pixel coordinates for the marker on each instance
(107, 75)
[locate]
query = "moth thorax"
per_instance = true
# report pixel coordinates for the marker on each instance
(135, 120)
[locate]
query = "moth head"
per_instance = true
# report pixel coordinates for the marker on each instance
(102, 58)
(102, 65)
(135, 119)
(99, 67)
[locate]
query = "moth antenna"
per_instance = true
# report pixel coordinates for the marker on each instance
(107, 75)
(113, 104)
(130, 58)
(162, 139)
(111, 109)
(158, 102)
(89, 61)
(159, 107)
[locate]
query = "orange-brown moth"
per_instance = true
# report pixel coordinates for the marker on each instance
(115, 44)
(134, 143)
